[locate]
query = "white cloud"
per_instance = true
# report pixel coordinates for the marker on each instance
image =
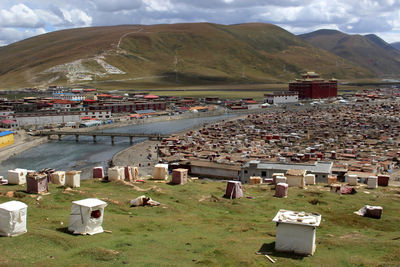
(10, 35)
(297, 16)
(19, 16)
(157, 5)
(76, 17)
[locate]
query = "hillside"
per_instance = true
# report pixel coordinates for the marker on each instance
(368, 51)
(396, 45)
(198, 53)
(196, 226)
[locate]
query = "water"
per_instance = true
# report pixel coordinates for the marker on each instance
(69, 155)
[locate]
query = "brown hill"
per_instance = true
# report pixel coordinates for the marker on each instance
(369, 51)
(396, 45)
(194, 53)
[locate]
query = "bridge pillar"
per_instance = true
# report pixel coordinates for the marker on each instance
(77, 137)
(112, 140)
(94, 139)
(59, 137)
(131, 140)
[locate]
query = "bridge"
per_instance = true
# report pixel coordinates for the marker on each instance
(151, 136)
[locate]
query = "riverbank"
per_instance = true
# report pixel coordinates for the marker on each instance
(22, 142)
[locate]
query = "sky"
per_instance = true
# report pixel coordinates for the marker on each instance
(20, 19)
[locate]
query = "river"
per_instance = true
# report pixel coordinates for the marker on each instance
(69, 155)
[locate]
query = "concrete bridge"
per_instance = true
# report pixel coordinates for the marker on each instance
(151, 136)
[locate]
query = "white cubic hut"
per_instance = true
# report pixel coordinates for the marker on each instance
(309, 179)
(13, 218)
(58, 177)
(17, 176)
(116, 173)
(372, 182)
(295, 178)
(86, 216)
(352, 179)
(274, 175)
(160, 172)
(73, 178)
(280, 179)
(296, 231)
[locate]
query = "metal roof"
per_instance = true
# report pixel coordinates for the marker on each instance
(317, 167)
(145, 111)
(5, 133)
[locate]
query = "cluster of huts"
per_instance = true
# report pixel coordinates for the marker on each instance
(360, 139)
(296, 231)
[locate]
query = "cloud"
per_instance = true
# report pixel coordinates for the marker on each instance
(116, 5)
(367, 25)
(75, 18)
(10, 35)
(297, 16)
(20, 16)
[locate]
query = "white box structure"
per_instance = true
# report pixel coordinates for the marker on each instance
(116, 173)
(295, 178)
(372, 182)
(58, 177)
(17, 176)
(73, 178)
(86, 216)
(309, 179)
(160, 172)
(280, 179)
(296, 231)
(352, 179)
(13, 218)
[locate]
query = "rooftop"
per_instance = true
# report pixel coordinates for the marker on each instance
(318, 166)
(295, 217)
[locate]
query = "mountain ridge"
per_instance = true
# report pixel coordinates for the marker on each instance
(368, 51)
(186, 53)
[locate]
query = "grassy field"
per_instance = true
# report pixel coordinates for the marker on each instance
(196, 226)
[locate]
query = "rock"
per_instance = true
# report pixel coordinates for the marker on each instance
(10, 194)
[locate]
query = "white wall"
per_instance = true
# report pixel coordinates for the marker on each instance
(281, 99)
(47, 119)
(214, 173)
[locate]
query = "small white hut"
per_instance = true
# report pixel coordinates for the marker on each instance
(17, 176)
(295, 178)
(116, 173)
(160, 172)
(13, 218)
(296, 231)
(58, 177)
(86, 216)
(73, 178)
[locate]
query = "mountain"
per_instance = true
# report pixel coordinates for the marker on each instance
(396, 45)
(368, 51)
(157, 55)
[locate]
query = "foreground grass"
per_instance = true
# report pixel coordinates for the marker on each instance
(196, 226)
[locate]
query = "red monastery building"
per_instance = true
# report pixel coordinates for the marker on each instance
(312, 86)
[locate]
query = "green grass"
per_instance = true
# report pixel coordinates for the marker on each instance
(213, 232)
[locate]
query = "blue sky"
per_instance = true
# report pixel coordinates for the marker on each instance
(21, 19)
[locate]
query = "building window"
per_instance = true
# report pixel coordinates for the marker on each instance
(245, 171)
(263, 173)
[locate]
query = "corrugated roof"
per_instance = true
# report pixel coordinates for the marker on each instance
(317, 167)
(145, 111)
(6, 133)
